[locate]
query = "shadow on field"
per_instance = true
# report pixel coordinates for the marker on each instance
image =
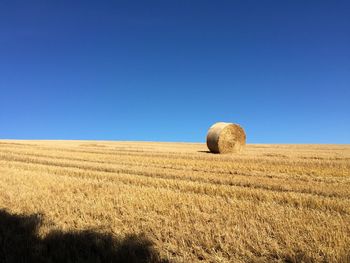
(205, 152)
(19, 242)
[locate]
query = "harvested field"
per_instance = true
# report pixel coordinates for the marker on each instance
(271, 203)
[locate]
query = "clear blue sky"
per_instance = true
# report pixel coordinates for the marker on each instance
(167, 70)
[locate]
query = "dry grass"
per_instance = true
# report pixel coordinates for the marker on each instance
(272, 203)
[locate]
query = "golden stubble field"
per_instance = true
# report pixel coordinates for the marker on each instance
(272, 203)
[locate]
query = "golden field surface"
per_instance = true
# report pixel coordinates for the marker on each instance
(271, 203)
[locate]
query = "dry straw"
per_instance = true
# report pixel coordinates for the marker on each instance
(226, 137)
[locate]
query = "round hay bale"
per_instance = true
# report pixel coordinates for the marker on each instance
(226, 137)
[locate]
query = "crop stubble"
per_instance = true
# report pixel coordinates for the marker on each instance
(272, 203)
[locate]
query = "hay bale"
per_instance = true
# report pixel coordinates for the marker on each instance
(226, 137)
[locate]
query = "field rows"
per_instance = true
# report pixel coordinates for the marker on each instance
(273, 203)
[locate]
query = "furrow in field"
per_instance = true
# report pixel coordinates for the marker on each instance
(235, 168)
(164, 165)
(268, 159)
(236, 192)
(270, 184)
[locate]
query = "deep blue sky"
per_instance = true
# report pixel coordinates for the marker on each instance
(167, 70)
